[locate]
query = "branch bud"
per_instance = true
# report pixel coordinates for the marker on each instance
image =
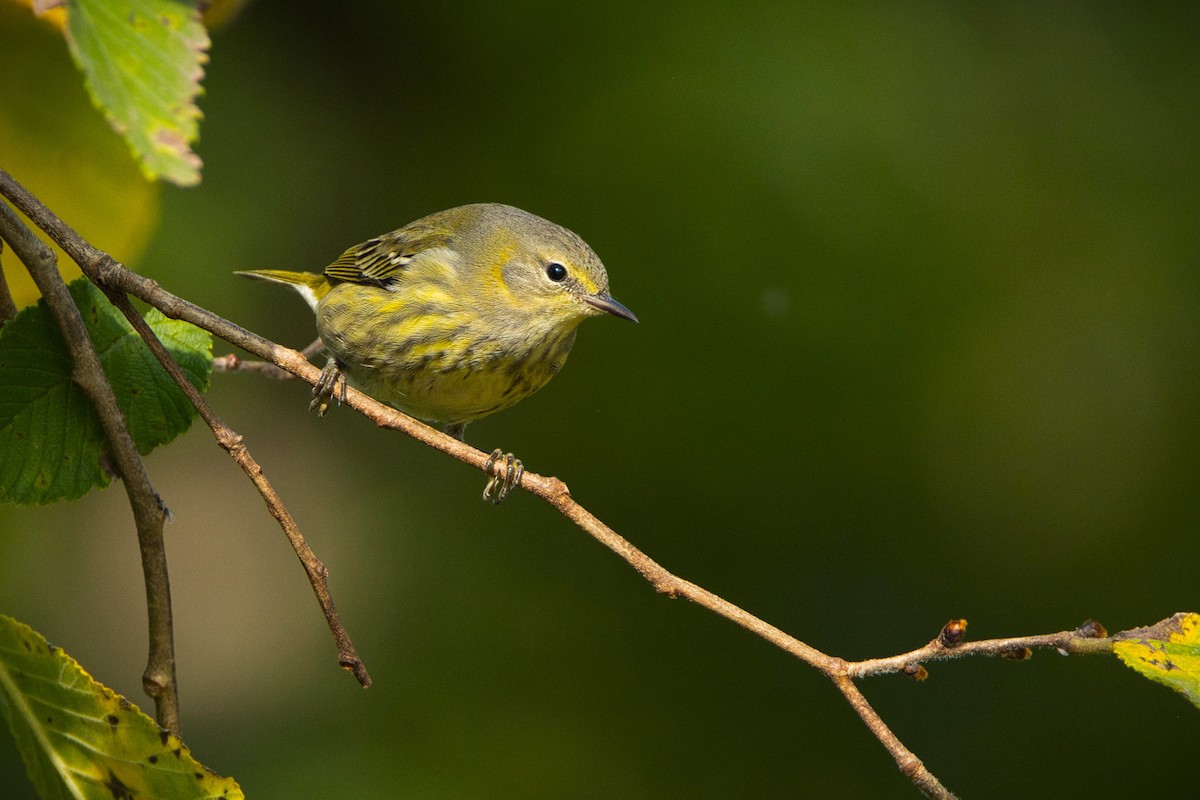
(1018, 653)
(953, 632)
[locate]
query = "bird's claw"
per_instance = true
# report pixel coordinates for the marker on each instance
(330, 387)
(501, 481)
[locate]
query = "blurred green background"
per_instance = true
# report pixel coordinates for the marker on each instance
(918, 288)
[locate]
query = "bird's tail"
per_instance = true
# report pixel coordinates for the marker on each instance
(311, 286)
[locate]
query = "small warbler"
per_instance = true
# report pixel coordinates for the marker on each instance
(457, 315)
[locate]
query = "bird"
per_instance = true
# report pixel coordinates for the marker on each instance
(455, 316)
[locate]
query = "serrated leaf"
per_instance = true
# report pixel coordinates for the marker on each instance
(143, 60)
(55, 143)
(50, 436)
(1168, 653)
(83, 741)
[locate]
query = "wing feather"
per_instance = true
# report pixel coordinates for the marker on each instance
(381, 261)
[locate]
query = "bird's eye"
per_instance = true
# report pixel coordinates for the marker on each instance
(556, 272)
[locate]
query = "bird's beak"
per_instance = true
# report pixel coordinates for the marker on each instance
(609, 305)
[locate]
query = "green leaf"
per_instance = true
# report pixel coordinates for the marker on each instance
(81, 740)
(1168, 652)
(143, 60)
(51, 133)
(51, 442)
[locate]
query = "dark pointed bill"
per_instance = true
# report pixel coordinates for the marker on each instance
(609, 305)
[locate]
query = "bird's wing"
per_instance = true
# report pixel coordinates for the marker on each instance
(381, 261)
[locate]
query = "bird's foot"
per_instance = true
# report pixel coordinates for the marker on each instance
(331, 387)
(502, 479)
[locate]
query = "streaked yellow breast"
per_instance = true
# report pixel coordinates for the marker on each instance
(425, 351)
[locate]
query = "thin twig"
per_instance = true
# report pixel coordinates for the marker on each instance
(1076, 642)
(8, 309)
(233, 363)
(97, 265)
(232, 443)
(910, 766)
(556, 493)
(159, 680)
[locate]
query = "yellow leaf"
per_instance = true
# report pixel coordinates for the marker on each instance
(81, 740)
(1168, 652)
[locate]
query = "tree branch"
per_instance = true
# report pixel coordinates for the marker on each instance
(911, 766)
(232, 443)
(158, 680)
(232, 363)
(8, 309)
(98, 265)
(1089, 638)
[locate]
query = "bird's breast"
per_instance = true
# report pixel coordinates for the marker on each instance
(440, 360)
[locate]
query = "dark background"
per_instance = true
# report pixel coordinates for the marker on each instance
(918, 291)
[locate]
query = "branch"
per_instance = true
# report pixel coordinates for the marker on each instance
(8, 309)
(911, 766)
(1088, 639)
(95, 264)
(232, 443)
(158, 680)
(113, 277)
(231, 363)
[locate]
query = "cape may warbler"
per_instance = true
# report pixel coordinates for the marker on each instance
(457, 315)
